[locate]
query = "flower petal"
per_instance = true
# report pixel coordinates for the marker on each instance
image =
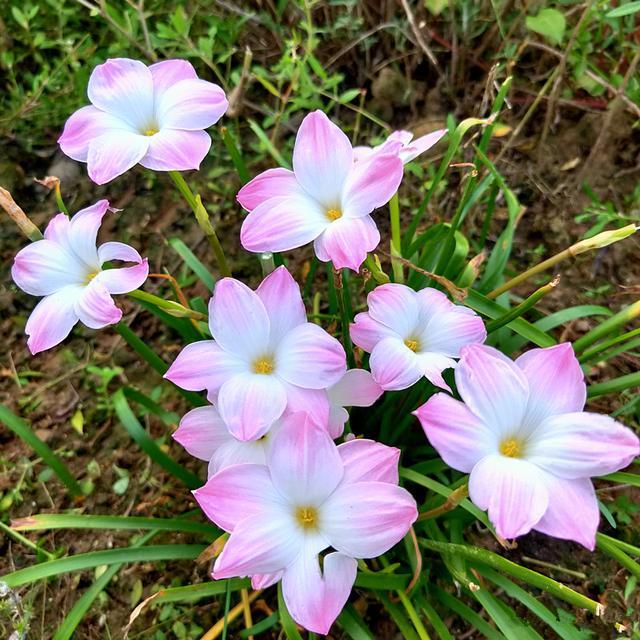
(460, 438)
(371, 184)
(249, 403)
(235, 452)
(396, 307)
(365, 519)
(123, 88)
(283, 223)
(202, 432)
(493, 388)
(238, 492)
(282, 299)
(191, 104)
(322, 158)
(582, 445)
(556, 382)
(95, 307)
(346, 242)
(176, 150)
(513, 491)
(238, 319)
(125, 279)
(204, 365)
(338, 417)
(309, 357)
(169, 72)
(83, 126)
(114, 153)
(264, 580)
(356, 388)
(272, 183)
(43, 267)
(572, 513)
(393, 365)
(314, 402)
(448, 327)
(259, 544)
(303, 461)
(367, 460)
(117, 251)
(411, 150)
(367, 332)
(52, 319)
(315, 599)
(83, 232)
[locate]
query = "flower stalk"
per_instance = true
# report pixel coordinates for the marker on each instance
(202, 217)
(19, 216)
(597, 242)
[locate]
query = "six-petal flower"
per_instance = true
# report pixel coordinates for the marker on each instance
(403, 144)
(522, 434)
(154, 116)
(311, 495)
(264, 356)
(411, 334)
(66, 269)
(326, 199)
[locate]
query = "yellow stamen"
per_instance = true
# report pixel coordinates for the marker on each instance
(511, 448)
(307, 517)
(414, 345)
(150, 132)
(263, 365)
(90, 277)
(333, 214)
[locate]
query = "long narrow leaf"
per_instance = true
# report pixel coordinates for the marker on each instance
(148, 445)
(22, 429)
(45, 521)
(193, 262)
(84, 561)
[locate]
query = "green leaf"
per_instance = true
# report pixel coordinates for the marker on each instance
(193, 262)
(505, 617)
(381, 580)
(436, 7)
(193, 592)
(148, 444)
(84, 561)
(45, 521)
(623, 10)
(549, 23)
(22, 429)
(353, 624)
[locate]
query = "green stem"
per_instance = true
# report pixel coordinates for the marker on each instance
(343, 305)
(396, 238)
(172, 308)
(25, 541)
(203, 220)
(267, 263)
(589, 353)
(523, 307)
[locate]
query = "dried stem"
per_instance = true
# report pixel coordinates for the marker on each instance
(19, 216)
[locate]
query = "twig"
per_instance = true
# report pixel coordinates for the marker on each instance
(421, 41)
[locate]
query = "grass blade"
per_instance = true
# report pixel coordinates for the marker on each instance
(22, 429)
(148, 445)
(193, 262)
(288, 624)
(614, 386)
(47, 521)
(93, 559)
(353, 625)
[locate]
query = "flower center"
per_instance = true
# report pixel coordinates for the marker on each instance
(263, 366)
(307, 517)
(412, 344)
(151, 131)
(90, 277)
(511, 448)
(333, 214)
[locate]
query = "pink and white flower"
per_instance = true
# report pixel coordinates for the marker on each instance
(522, 434)
(326, 199)
(403, 144)
(154, 116)
(204, 434)
(311, 495)
(264, 356)
(66, 269)
(356, 388)
(411, 334)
